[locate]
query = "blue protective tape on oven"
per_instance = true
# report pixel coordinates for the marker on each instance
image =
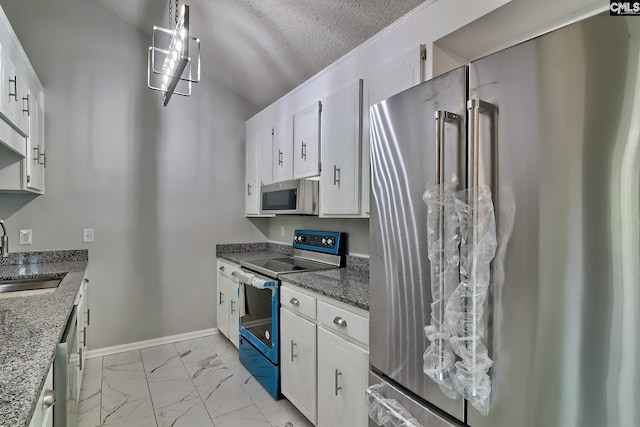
(265, 372)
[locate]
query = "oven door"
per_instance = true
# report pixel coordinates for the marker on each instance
(259, 315)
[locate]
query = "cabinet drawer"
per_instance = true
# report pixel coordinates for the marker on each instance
(298, 302)
(344, 322)
(226, 269)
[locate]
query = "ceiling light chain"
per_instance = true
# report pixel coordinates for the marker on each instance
(170, 68)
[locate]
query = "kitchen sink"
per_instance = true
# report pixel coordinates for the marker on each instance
(38, 284)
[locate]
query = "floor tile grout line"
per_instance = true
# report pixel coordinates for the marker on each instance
(193, 383)
(153, 408)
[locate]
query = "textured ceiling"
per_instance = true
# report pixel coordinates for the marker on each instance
(262, 49)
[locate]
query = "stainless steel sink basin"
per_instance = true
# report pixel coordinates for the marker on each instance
(28, 284)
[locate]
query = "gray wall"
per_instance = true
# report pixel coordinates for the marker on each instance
(160, 186)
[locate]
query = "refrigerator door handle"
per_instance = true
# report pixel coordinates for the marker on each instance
(476, 107)
(441, 117)
(385, 411)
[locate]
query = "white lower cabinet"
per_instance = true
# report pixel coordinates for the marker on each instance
(298, 362)
(228, 314)
(323, 373)
(342, 381)
(43, 414)
(82, 322)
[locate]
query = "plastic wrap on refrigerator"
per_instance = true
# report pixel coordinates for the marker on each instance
(443, 242)
(387, 412)
(462, 243)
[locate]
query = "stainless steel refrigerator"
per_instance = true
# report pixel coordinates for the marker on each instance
(552, 127)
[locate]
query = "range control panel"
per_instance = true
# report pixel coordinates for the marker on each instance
(330, 242)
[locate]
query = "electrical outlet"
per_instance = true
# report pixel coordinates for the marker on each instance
(26, 237)
(87, 235)
(282, 231)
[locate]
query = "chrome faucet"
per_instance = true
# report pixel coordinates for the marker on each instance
(4, 241)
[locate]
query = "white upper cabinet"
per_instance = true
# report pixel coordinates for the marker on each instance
(36, 155)
(394, 76)
(265, 153)
(258, 171)
(306, 148)
(22, 156)
(283, 150)
(9, 104)
(341, 130)
(251, 189)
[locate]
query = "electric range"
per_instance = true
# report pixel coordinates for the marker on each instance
(259, 298)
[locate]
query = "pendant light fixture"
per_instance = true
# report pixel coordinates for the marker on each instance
(173, 60)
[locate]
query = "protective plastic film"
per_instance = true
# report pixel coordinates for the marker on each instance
(443, 241)
(387, 412)
(462, 243)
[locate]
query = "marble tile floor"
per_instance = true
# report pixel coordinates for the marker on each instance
(194, 383)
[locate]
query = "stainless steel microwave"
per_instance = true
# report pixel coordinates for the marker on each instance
(296, 197)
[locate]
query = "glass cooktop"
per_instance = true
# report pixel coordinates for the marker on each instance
(275, 266)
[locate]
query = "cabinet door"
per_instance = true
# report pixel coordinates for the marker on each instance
(298, 362)
(306, 149)
(283, 150)
(222, 296)
(36, 156)
(234, 312)
(23, 105)
(251, 189)
(80, 338)
(394, 76)
(43, 413)
(265, 153)
(342, 380)
(341, 138)
(9, 102)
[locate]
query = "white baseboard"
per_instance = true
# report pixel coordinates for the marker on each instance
(150, 343)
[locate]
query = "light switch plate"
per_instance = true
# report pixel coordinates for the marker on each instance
(87, 235)
(26, 237)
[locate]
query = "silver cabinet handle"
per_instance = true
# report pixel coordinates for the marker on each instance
(337, 374)
(336, 175)
(222, 268)
(85, 280)
(293, 344)
(88, 316)
(280, 157)
(27, 103)
(303, 151)
(36, 156)
(294, 301)
(43, 162)
(248, 189)
(232, 309)
(84, 336)
(221, 301)
(13, 80)
(340, 322)
(80, 359)
(49, 399)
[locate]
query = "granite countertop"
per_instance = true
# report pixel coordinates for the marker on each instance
(31, 328)
(349, 285)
